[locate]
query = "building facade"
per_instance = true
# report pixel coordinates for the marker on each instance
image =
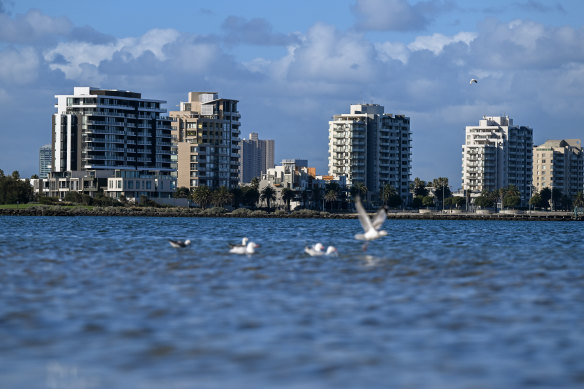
(206, 134)
(97, 129)
(497, 154)
(371, 147)
(559, 164)
(257, 156)
(45, 160)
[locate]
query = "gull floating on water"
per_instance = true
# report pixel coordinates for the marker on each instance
(318, 250)
(179, 243)
(243, 243)
(371, 227)
(248, 249)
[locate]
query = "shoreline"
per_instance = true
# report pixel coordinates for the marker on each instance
(303, 214)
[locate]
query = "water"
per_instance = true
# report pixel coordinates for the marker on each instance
(100, 302)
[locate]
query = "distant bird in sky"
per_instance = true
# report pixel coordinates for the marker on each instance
(473, 81)
(318, 250)
(248, 249)
(179, 243)
(371, 227)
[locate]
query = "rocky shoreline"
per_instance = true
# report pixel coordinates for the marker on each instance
(44, 210)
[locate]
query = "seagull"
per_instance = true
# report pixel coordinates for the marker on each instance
(243, 243)
(318, 249)
(473, 81)
(314, 250)
(248, 249)
(179, 243)
(371, 227)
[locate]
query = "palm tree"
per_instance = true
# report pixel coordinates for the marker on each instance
(250, 196)
(201, 195)
(237, 196)
(287, 195)
(268, 194)
(579, 200)
(389, 196)
(221, 197)
(330, 197)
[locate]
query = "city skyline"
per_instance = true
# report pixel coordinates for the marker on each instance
(292, 71)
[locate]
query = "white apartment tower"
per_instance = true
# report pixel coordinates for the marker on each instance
(497, 154)
(206, 134)
(257, 156)
(371, 147)
(101, 129)
(559, 164)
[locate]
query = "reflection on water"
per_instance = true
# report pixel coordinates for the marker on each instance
(106, 302)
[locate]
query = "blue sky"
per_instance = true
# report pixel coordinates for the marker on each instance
(294, 64)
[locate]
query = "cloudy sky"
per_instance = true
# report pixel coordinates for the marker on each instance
(293, 64)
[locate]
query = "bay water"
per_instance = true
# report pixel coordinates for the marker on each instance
(106, 302)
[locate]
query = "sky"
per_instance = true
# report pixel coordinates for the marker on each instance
(294, 64)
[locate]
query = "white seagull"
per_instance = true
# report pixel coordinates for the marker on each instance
(179, 243)
(248, 249)
(243, 243)
(371, 227)
(473, 81)
(318, 249)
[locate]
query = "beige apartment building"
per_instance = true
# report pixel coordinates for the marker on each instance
(559, 164)
(205, 134)
(497, 154)
(371, 147)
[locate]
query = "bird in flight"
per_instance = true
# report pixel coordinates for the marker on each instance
(473, 81)
(371, 227)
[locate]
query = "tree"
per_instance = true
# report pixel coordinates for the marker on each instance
(546, 195)
(16, 175)
(34, 177)
(556, 198)
(417, 202)
(181, 193)
(221, 197)
(287, 195)
(390, 197)
(420, 187)
(536, 201)
(268, 194)
(237, 196)
(510, 196)
(330, 197)
(441, 189)
(455, 201)
(579, 200)
(250, 196)
(317, 196)
(201, 195)
(428, 201)
(13, 190)
(255, 183)
(305, 195)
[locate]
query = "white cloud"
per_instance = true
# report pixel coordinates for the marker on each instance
(19, 66)
(32, 27)
(436, 42)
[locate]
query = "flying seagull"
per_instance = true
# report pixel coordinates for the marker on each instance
(371, 227)
(179, 243)
(473, 81)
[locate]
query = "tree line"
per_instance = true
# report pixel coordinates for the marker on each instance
(13, 190)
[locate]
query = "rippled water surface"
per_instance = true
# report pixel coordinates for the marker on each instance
(98, 302)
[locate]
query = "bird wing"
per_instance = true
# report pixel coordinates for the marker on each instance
(363, 217)
(379, 218)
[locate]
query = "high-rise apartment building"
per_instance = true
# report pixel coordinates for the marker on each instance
(371, 147)
(497, 154)
(97, 129)
(257, 156)
(206, 132)
(559, 164)
(45, 158)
